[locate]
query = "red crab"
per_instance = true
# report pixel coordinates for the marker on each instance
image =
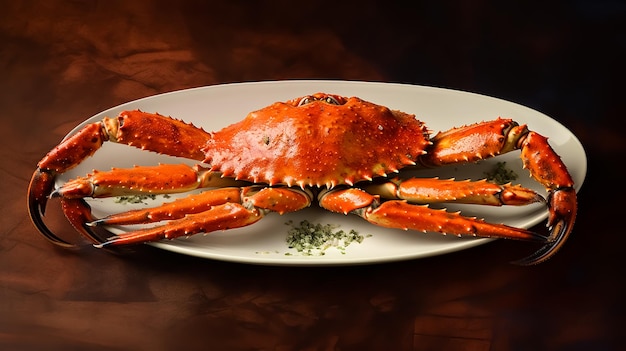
(323, 148)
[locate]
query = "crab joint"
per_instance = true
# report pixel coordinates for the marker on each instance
(276, 199)
(346, 200)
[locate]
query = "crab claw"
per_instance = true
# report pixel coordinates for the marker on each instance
(40, 186)
(64, 156)
(548, 169)
(77, 211)
(562, 205)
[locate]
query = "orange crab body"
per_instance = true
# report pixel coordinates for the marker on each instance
(334, 151)
(317, 144)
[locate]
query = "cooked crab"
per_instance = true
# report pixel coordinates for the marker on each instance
(344, 154)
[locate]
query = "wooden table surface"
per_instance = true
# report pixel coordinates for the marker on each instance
(62, 62)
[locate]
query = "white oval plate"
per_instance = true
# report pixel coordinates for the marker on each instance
(214, 107)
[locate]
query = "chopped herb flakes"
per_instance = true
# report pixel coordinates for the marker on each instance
(313, 239)
(500, 174)
(136, 199)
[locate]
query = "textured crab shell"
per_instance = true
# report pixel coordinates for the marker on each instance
(317, 143)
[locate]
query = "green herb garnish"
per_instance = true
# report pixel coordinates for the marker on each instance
(136, 199)
(500, 174)
(313, 239)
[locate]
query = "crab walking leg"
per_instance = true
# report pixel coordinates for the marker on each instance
(403, 215)
(424, 191)
(78, 213)
(221, 217)
(249, 207)
(279, 200)
(161, 179)
(194, 203)
(478, 141)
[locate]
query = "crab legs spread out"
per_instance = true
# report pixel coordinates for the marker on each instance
(323, 148)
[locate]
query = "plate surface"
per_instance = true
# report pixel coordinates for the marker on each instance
(214, 107)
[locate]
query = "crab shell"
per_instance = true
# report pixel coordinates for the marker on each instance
(317, 143)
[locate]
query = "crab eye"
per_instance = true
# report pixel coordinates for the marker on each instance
(310, 98)
(331, 100)
(306, 100)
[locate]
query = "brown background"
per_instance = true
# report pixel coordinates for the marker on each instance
(61, 62)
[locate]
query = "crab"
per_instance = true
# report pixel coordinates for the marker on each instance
(343, 154)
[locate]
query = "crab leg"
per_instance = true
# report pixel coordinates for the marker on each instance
(403, 215)
(191, 204)
(478, 141)
(143, 130)
(279, 200)
(78, 213)
(423, 191)
(220, 217)
(161, 179)
(245, 208)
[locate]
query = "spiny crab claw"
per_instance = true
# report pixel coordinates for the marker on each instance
(63, 157)
(562, 215)
(77, 212)
(41, 185)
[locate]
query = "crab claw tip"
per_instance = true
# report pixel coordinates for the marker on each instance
(548, 250)
(40, 186)
(95, 223)
(561, 221)
(109, 242)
